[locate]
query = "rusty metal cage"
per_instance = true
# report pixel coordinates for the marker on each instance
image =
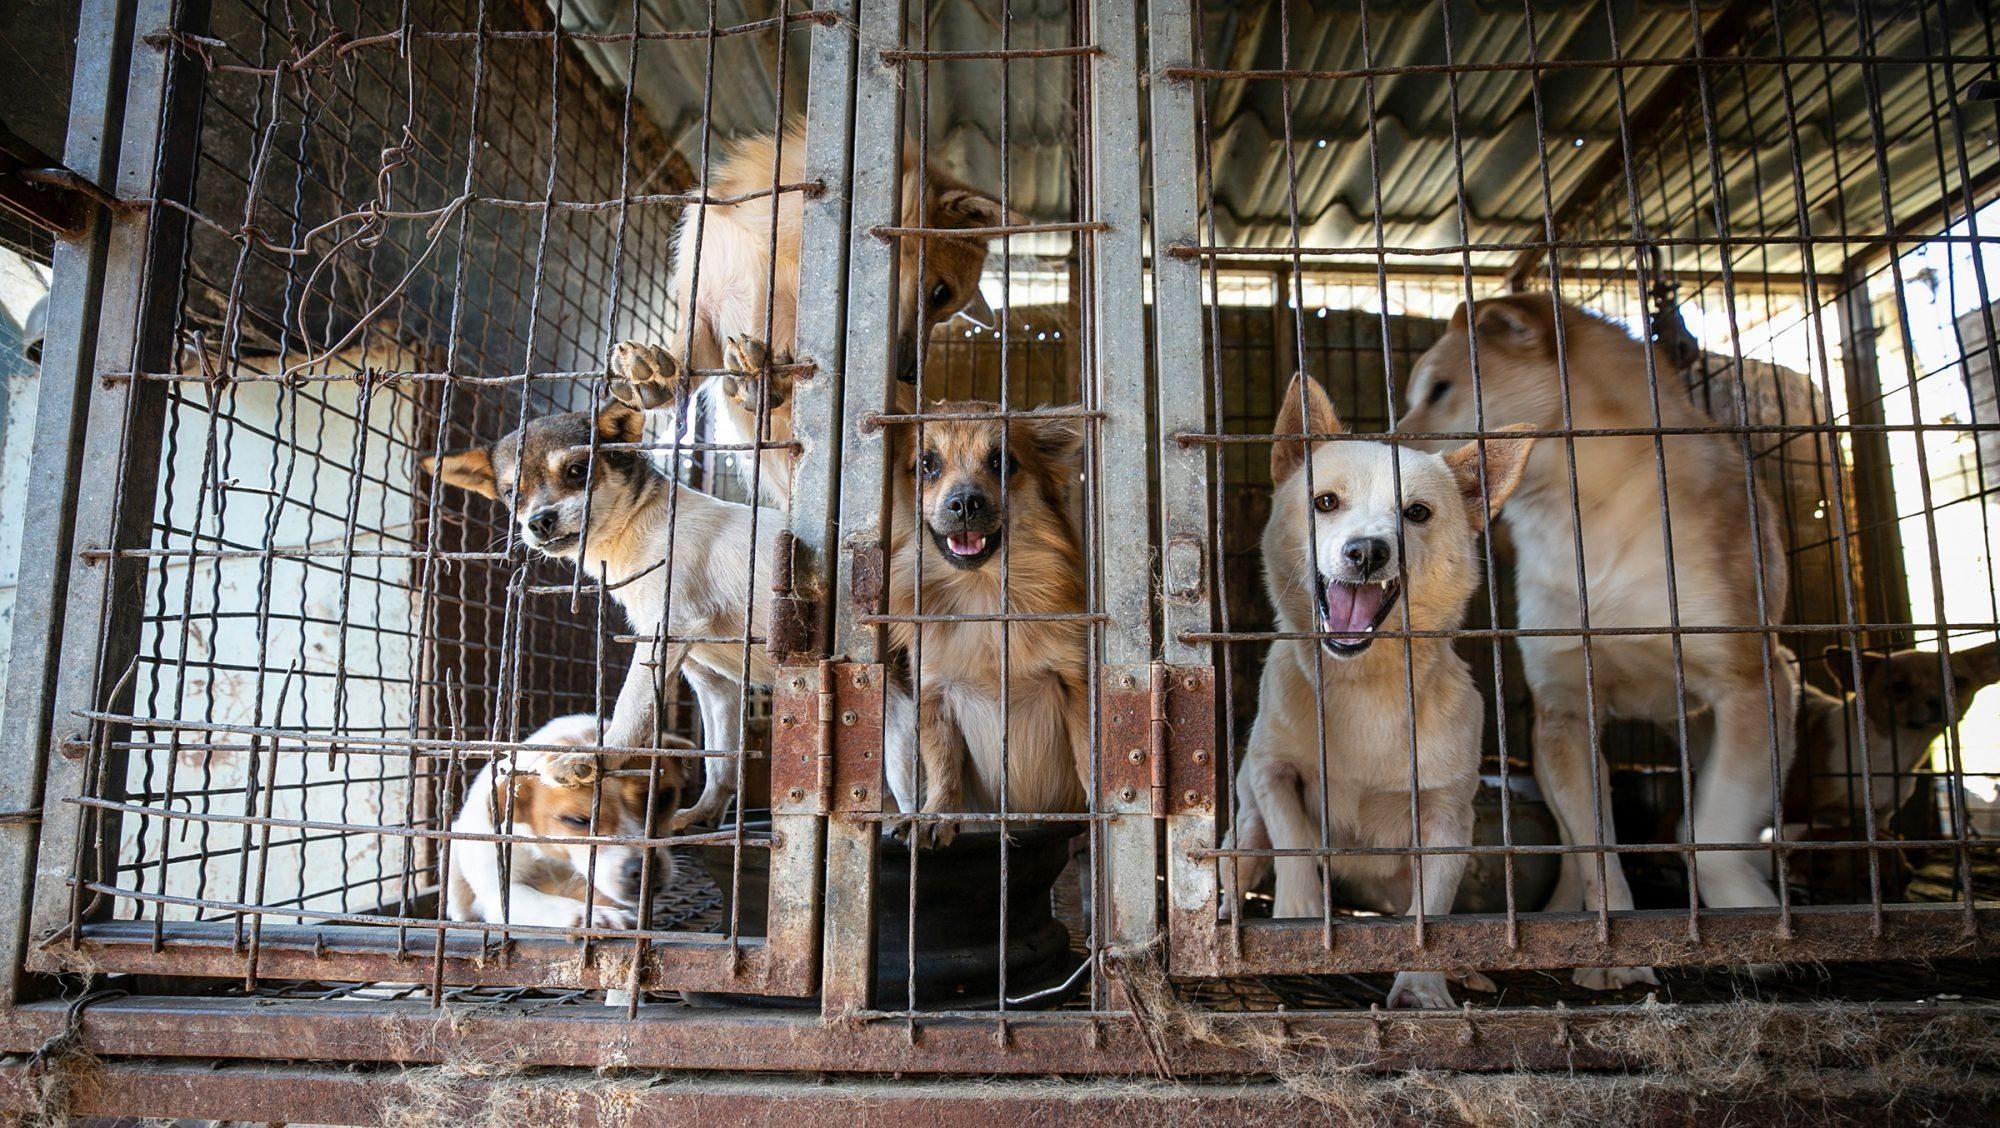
(268, 656)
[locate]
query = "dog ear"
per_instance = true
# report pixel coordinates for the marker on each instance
(1058, 439)
(968, 207)
(467, 469)
(1305, 410)
(620, 422)
(1841, 666)
(978, 310)
(1520, 322)
(1980, 665)
(1506, 460)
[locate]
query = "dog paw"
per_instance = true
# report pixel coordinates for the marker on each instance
(609, 917)
(749, 361)
(1475, 981)
(927, 835)
(1613, 978)
(572, 770)
(644, 376)
(1419, 990)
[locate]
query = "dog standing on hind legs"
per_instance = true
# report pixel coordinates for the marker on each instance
(1719, 530)
(1381, 536)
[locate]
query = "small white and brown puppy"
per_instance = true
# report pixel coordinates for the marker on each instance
(559, 879)
(1906, 707)
(1363, 536)
(1530, 351)
(639, 531)
(736, 268)
(982, 512)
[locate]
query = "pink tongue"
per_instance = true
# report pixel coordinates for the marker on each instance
(1351, 609)
(966, 544)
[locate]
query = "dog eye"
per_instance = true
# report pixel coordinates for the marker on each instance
(1438, 391)
(930, 466)
(580, 822)
(940, 294)
(576, 472)
(1417, 513)
(997, 461)
(1326, 502)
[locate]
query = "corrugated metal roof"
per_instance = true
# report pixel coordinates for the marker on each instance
(1398, 145)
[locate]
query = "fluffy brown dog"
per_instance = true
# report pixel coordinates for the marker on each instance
(732, 268)
(974, 505)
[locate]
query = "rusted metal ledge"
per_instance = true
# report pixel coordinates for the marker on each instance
(412, 1032)
(291, 1093)
(1652, 937)
(363, 954)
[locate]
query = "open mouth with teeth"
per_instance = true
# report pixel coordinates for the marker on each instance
(967, 548)
(1350, 612)
(555, 545)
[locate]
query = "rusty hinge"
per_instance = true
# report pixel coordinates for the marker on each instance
(866, 575)
(1157, 736)
(826, 738)
(793, 634)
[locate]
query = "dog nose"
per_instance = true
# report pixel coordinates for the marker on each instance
(543, 523)
(965, 504)
(1369, 554)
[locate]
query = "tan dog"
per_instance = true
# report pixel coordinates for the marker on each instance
(1906, 708)
(547, 881)
(1627, 569)
(992, 507)
(1346, 552)
(733, 273)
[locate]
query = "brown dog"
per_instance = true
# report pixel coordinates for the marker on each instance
(736, 276)
(974, 505)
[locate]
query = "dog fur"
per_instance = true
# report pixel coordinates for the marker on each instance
(548, 880)
(626, 517)
(728, 260)
(974, 507)
(1334, 712)
(1906, 709)
(1627, 569)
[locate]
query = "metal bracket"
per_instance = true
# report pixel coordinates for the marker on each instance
(799, 740)
(857, 728)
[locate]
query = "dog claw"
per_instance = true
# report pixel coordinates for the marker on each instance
(751, 359)
(1475, 981)
(1613, 978)
(644, 376)
(928, 835)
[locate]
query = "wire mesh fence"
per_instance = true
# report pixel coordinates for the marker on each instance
(907, 570)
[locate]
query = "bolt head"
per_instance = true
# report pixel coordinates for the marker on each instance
(857, 794)
(1127, 794)
(850, 717)
(798, 685)
(788, 720)
(861, 679)
(796, 794)
(1201, 756)
(1191, 798)
(1137, 756)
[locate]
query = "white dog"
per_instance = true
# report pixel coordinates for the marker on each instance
(1346, 552)
(547, 881)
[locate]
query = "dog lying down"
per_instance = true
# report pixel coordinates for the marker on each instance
(555, 881)
(1905, 708)
(1347, 552)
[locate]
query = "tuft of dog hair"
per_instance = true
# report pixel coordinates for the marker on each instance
(982, 527)
(1904, 703)
(557, 878)
(1527, 352)
(736, 275)
(1365, 536)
